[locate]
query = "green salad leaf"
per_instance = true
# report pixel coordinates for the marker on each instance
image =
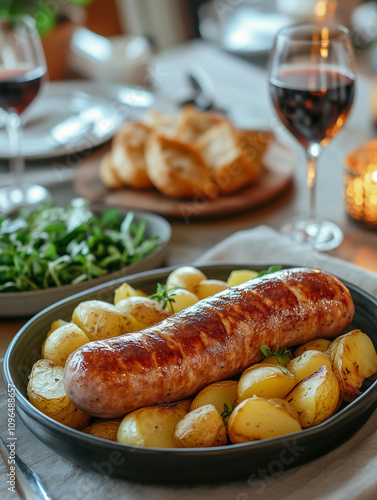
(54, 246)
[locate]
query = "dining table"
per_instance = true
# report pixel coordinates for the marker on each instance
(242, 90)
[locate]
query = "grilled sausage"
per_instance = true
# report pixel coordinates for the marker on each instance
(215, 339)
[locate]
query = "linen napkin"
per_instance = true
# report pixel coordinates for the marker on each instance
(347, 472)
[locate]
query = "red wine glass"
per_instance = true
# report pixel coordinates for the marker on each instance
(312, 85)
(22, 71)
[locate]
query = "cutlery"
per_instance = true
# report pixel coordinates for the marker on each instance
(202, 90)
(27, 483)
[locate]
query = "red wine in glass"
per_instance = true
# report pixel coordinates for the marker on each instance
(19, 86)
(312, 103)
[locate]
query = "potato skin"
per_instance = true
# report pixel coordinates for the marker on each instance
(315, 344)
(315, 398)
(104, 429)
(101, 320)
(125, 291)
(62, 342)
(307, 363)
(187, 277)
(151, 426)
(207, 288)
(202, 427)
(353, 358)
(46, 393)
(142, 311)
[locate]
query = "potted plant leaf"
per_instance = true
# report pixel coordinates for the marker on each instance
(56, 22)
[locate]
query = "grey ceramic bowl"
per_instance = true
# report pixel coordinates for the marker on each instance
(184, 466)
(21, 304)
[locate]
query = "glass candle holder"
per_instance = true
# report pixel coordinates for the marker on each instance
(360, 180)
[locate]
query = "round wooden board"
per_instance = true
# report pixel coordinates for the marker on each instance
(279, 162)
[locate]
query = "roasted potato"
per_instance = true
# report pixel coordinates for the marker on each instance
(55, 324)
(187, 277)
(104, 428)
(181, 299)
(263, 380)
(206, 288)
(307, 363)
(316, 397)
(62, 342)
(239, 276)
(46, 392)
(353, 359)
(142, 311)
(259, 418)
(200, 428)
(313, 345)
(125, 291)
(152, 426)
(101, 320)
(217, 394)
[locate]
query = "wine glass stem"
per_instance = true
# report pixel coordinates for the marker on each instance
(16, 160)
(312, 155)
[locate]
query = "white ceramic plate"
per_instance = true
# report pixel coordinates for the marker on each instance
(21, 304)
(73, 116)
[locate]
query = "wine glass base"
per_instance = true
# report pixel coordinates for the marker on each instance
(319, 234)
(13, 198)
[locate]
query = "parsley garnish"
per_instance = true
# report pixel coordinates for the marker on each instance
(228, 410)
(279, 353)
(164, 295)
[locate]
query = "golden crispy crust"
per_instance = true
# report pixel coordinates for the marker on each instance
(176, 168)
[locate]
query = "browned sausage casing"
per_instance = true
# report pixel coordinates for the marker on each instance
(213, 340)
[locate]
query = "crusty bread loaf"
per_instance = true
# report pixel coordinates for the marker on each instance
(176, 168)
(108, 174)
(230, 164)
(254, 144)
(162, 123)
(127, 154)
(192, 123)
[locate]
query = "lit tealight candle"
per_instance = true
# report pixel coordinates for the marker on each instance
(361, 183)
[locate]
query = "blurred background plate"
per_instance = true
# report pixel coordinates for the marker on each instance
(243, 28)
(85, 115)
(185, 466)
(20, 304)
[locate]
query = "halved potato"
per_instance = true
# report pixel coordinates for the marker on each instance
(152, 426)
(124, 291)
(239, 276)
(217, 394)
(353, 359)
(259, 418)
(101, 320)
(56, 324)
(263, 380)
(62, 342)
(307, 363)
(316, 397)
(181, 300)
(142, 311)
(313, 345)
(206, 288)
(104, 428)
(200, 428)
(187, 277)
(46, 392)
